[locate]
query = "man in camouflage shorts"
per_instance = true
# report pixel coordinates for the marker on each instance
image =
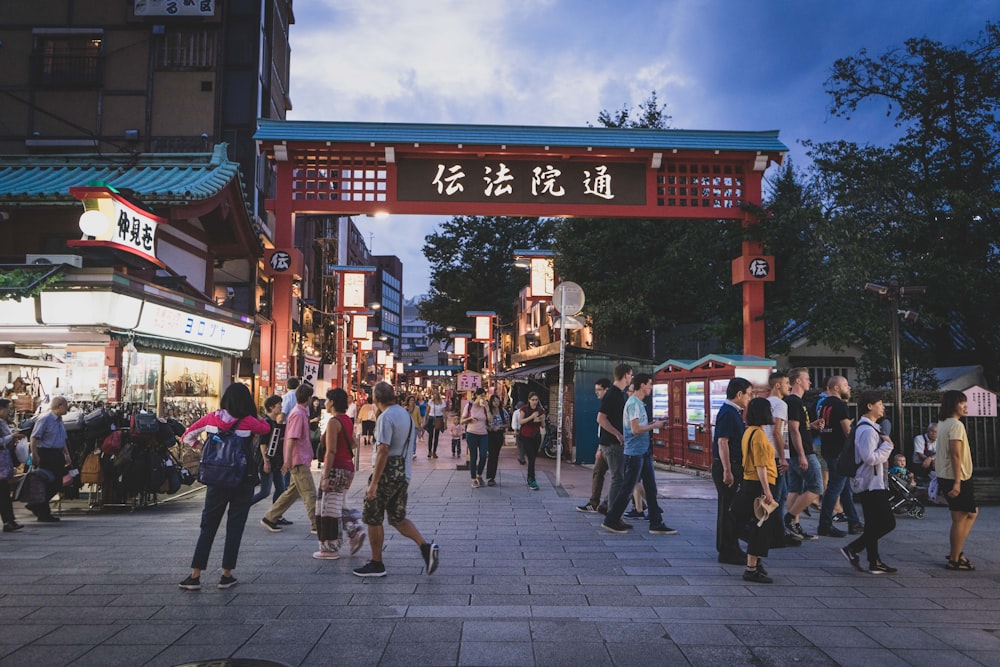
(388, 485)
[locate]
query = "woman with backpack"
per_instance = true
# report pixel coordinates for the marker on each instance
(238, 413)
(870, 484)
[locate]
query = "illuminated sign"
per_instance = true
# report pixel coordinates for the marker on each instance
(127, 227)
(522, 181)
(180, 325)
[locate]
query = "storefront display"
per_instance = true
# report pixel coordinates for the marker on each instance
(190, 388)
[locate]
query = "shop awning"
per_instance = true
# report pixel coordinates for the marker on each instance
(525, 371)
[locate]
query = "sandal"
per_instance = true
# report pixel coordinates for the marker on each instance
(962, 564)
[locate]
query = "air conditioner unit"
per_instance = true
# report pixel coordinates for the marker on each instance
(72, 260)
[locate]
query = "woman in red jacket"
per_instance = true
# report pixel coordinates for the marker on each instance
(532, 418)
(236, 406)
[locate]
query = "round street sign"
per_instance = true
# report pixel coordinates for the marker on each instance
(573, 294)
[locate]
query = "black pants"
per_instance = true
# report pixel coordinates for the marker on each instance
(530, 445)
(727, 541)
(879, 522)
(432, 439)
(53, 460)
(760, 538)
(6, 507)
(494, 445)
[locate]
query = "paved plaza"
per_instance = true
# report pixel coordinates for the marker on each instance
(524, 579)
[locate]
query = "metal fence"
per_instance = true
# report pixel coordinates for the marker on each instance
(984, 434)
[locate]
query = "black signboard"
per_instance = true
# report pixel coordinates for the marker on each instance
(522, 181)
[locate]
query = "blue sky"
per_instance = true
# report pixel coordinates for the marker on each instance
(716, 64)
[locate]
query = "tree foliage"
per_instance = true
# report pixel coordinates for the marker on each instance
(928, 206)
(472, 266)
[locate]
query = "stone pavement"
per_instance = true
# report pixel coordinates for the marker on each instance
(524, 579)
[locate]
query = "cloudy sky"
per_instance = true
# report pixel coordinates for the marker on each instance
(716, 64)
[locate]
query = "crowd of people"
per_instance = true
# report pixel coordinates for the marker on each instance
(766, 465)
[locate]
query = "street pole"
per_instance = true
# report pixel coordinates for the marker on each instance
(562, 385)
(897, 371)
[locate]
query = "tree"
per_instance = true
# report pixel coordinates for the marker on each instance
(472, 266)
(932, 199)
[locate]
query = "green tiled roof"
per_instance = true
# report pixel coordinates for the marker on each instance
(517, 135)
(160, 178)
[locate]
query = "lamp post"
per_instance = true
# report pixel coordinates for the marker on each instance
(893, 293)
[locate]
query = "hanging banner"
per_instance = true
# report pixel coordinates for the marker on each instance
(310, 370)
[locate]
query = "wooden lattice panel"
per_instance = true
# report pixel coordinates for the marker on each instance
(340, 178)
(693, 185)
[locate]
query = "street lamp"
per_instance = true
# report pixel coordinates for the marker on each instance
(892, 293)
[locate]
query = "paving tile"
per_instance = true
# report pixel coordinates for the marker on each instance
(496, 631)
(496, 654)
(44, 655)
(864, 657)
(106, 654)
(701, 655)
(792, 656)
(418, 654)
(768, 635)
(570, 654)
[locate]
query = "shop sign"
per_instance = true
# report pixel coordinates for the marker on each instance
(281, 371)
(127, 227)
(175, 7)
(522, 181)
(310, 370)
(180, 325)
(753, 269)
(469, 381)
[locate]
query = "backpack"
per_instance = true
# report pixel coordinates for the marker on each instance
(847, 465)
(224, 459)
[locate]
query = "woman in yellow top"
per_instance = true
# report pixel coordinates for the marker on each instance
(760, 474)
(954, 474)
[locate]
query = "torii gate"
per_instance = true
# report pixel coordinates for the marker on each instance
(345, 168)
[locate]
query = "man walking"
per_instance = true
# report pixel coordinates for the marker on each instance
(298, 462)
(600, 463)
(50, 454)
(638, 454)
(805, 475)
(836, 426)
(727, 467)
(609, 420)
(389, 484)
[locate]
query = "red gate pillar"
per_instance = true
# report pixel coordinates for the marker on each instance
(282, 310)
(754, 343)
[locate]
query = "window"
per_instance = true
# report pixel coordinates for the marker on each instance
(186, 50)
(68, 60)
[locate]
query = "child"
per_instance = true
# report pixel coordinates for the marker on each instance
(899, 471)
(456, 436)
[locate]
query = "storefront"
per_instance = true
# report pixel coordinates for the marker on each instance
(97, 336)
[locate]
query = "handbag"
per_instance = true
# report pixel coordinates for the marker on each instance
(90, 471)
(6, 464)
(439, 423)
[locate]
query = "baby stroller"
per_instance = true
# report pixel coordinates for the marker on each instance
(902, 501)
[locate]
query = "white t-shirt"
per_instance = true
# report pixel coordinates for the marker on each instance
(779, 410)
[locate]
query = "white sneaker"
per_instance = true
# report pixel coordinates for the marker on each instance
(326, 555)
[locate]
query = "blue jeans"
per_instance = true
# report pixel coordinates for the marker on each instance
(637, 468)
(478, 445)
(613, 455)
(267, 480)
(216, 501)
(836, 486)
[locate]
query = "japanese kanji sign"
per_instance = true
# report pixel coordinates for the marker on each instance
(521, 181)
(130, 228)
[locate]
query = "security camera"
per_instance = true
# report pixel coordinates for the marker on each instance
(230, 292)
(204, 135)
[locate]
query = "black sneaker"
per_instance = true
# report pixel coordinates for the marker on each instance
(839, 517)
(619, 527)
(634, 514)
(757, 577)
(191, 584)
(227, 582)
(830, 532)
(373, 568)
(881, 568)
(856, 529)
(805, 536)
(602, 509)
(430, 553)
(589, 507)
(48, 518)
(794, 530)
(270, 525)
(789, 521)
(282, 521)
(662, 529)
(760, 566)
(853, 558)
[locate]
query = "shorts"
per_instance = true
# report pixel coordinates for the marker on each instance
(810, 481)
(965, 501)
(391, 496)
(367, 427)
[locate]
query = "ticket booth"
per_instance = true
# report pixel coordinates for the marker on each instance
(689, 394)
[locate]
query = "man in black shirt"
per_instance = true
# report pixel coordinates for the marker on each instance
(836, 425)
(609, 418)
(805, 476)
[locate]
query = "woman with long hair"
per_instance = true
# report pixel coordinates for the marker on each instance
(236, 409)
(954, 475)
(476, 421)
(531, 418)
(418, 421)
(338, 473)
(436, 407)
(8, 438)
(499, 420)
